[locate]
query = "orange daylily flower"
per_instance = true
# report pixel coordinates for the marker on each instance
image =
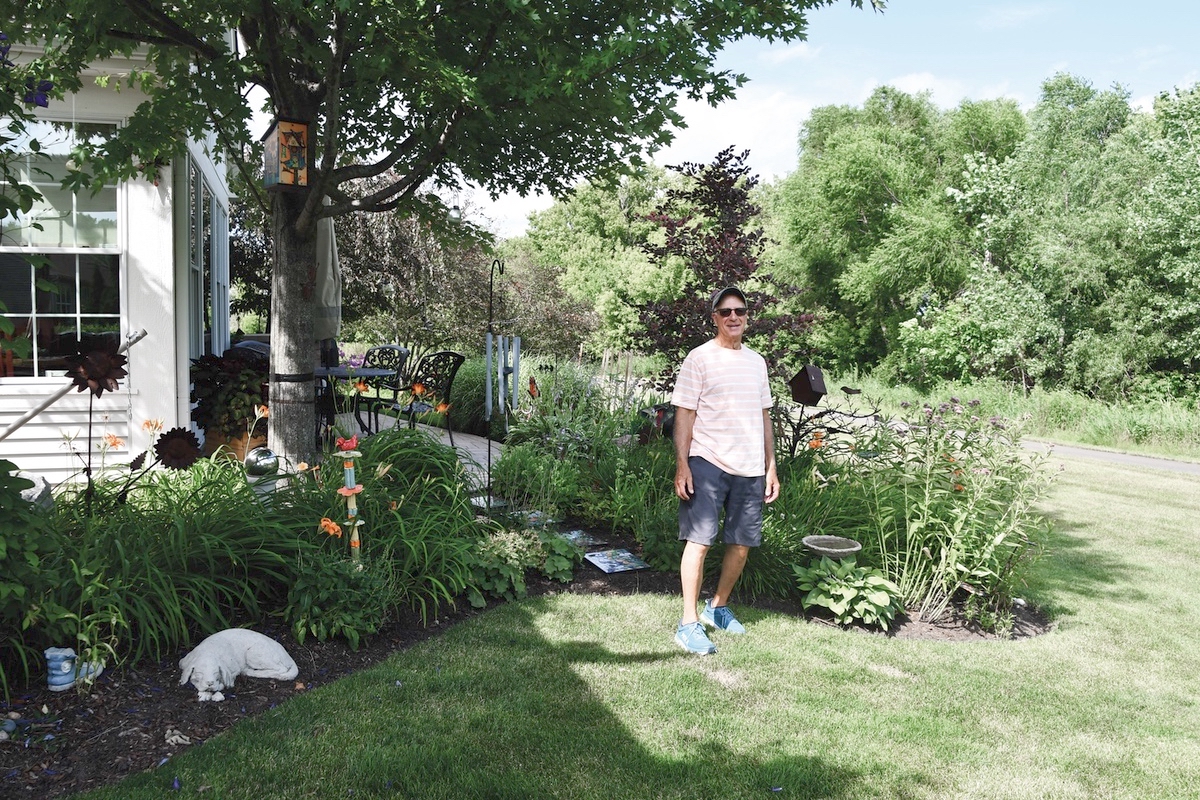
(958, 487)
(361, 387)
(302, 466)
(152, 425)
(442, 408)
(418, 389)
(393, 505)
(113, 441)
(331, 527)
(346, 491)
(263, 412)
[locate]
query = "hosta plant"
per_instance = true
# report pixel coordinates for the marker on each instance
(849, 591)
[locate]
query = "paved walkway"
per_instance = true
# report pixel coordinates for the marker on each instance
(472, 450)
(1113, 457)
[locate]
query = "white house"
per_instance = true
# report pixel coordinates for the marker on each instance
(146, 255)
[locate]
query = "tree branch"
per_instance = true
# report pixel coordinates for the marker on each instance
(174, 33)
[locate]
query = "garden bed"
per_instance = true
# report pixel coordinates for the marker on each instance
(135, 717)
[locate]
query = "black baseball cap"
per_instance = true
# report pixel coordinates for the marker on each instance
(721, 294)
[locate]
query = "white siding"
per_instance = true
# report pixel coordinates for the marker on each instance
(153, 238)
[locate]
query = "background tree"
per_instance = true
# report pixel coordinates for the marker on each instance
(592, 239)
(548, 318)
(711, 237)
(249, 258)
(511, 95)
(865, 177)
(1164, 217)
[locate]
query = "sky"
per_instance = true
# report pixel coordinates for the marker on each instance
(954, 49)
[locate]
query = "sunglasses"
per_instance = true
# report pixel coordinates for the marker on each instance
(725, 312)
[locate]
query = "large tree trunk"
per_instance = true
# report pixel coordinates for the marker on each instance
(293, 350)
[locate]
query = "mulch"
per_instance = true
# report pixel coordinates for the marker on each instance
(138, 716)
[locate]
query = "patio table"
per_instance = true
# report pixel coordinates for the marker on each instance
(330, 376)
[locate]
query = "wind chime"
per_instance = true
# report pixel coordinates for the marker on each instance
(505, 353)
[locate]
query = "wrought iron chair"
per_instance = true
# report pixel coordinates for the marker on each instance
(429, 384)
(385, 356)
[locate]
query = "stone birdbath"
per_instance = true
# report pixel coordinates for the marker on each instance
(835, 547)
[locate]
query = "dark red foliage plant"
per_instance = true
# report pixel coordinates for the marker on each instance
(712, 224)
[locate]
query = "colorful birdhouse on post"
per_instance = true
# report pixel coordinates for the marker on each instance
(286, 155)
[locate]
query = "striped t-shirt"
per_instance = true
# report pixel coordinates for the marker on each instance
(728, 390)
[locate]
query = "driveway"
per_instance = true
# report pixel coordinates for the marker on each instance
(1112, 457)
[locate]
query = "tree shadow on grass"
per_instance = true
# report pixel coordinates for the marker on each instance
(493, 710)
(1071, 564)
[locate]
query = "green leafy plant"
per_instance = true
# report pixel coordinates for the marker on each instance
(559, 556)
(228, 391)
(506, 556)
(500, 565)
(527, 476)
(849, 591)
(331, 596)
(27, 544)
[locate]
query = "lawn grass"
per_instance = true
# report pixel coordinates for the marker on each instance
(574, 696)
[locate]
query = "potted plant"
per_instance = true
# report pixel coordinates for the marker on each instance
(230, 393)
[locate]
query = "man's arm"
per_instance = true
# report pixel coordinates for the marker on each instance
(772, 482)
(685, 419)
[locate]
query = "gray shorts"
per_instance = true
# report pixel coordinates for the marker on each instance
(715, 490)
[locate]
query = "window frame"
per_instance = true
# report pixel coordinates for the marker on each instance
(116, 249)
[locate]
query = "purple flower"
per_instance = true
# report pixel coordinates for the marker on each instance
(38, 94)
(974, 403)
(905, 404)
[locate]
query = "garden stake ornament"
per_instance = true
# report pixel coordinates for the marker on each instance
(350, 492)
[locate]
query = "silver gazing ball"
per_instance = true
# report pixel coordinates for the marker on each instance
(261, 461)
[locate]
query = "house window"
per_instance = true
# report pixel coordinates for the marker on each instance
(208, 267)
(60, 264)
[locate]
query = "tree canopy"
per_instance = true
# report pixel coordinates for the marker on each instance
(512, 95)
(1054, 248)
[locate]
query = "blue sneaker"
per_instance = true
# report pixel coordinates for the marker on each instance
(721, 617)
(691, 637)
(64, 670)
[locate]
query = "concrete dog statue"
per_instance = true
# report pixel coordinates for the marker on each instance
(217, 661)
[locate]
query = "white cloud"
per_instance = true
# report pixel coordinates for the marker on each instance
(506, 216)
(1010, 16)
(763, 119)
(796, 52)
(1145, 103)
(946, 92)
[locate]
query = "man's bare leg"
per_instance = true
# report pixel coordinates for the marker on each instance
(691, 575)
(731, 570)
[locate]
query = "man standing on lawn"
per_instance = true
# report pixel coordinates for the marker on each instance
(724, 459)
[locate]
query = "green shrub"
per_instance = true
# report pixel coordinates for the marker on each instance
(527, 477)
(504, 558)
(643, 502)
(332, 596)
(466, 402)
(190, 552)
(941, 500)
(27, 544)
(849, 591)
